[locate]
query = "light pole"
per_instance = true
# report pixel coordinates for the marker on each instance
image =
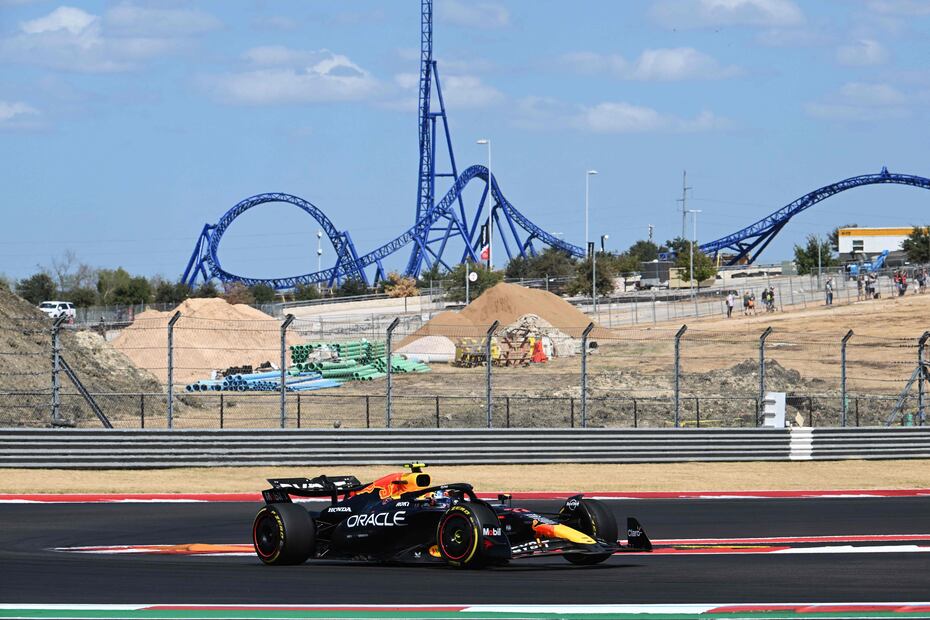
(319, 250)
(587, 192)
(694, 214)
(487, 141)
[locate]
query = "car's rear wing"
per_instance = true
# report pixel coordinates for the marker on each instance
(321, 486)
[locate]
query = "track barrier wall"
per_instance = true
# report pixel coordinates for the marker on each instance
(52, 448)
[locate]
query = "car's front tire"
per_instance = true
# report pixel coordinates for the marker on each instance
(459, 534)
(594, 519)
(283, 534)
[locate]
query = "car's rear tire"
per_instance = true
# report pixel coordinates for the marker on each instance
(459, 534)
(594, 519)
(283, 534)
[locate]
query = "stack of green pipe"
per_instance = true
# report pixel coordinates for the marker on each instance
(399, 364)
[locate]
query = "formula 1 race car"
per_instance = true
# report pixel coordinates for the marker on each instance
(401, 518)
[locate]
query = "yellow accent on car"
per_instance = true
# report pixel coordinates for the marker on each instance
(562, 531)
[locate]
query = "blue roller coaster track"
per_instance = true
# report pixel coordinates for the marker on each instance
(747, 244)
(436, 223)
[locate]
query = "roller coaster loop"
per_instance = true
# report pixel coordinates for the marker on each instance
(205, 262)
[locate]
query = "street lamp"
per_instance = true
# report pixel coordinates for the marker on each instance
(487, 141)
(319, 250)
(694, 214)
(587, 177)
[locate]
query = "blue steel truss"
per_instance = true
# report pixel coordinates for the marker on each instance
(435, 224)
(748, 243)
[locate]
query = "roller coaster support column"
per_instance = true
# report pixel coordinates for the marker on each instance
(488, 363)
(174, 319)
(287, 322)
(846, 338)
(678, 335)
(765, 334)
(584, 374)
(389, 400)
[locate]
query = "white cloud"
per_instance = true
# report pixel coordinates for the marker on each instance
(907, 8)
(622, 117)
(468, 91)
(136, 20)
(666, 65)
(860, 93)
(706, 13)
(285, 75)
(11, 109)
(862, 53)
(472, 14)
(72, 39)
(546, 113)
(17, 115)
(67, 18)
(859, 101)
(458, 91)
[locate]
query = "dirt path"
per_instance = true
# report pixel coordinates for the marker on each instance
(825, 475)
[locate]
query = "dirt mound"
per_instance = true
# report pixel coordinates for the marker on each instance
(508, 302)
(210, 335)
(448, 324)
(25, 366)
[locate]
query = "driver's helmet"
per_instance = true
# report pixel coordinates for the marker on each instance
(440, 494)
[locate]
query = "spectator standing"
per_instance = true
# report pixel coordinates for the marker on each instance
(731, 300)
(828, 289)
(752, 303)
(746, 303)
(860, 284)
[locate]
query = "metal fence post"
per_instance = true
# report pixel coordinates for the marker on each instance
(487, 359)
(921, 375)
(845, 409)
(287, 322)
(389, 400)
(56, 369)
(765, 334)
(174, 319)
(654, 319)
(678, 335)
(584, 374)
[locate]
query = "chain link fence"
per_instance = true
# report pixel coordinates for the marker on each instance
(176, 371)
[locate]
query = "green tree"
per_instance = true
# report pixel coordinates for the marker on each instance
(455, 284)
(36, 288)
(431, 276)
(81, 297)
(643, 251)
(306, 292)
(606, 266)
(263, 294)
(170, 292)
(4, 282)
(109, 281)
(917, 246)
(704, 267)
(350, 287)
(551, 262)
(677, 246)
(805, 256)
(206, 289)
(238, 293)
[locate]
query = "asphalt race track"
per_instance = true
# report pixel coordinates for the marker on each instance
(31, 572)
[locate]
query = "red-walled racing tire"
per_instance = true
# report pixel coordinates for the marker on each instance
(283, 534)
(459, 537)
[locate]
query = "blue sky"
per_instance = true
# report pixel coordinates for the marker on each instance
(125, 126)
